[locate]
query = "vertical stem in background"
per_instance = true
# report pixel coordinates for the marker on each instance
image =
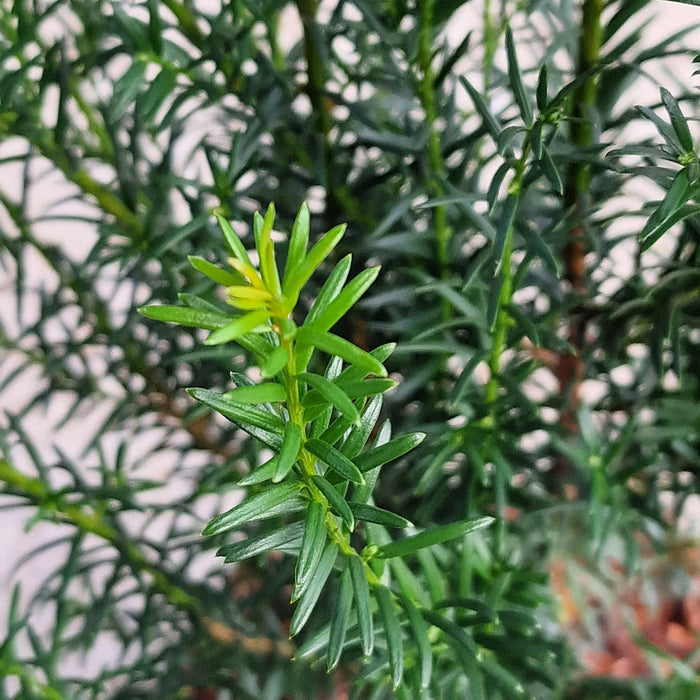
(570, 370)
(316, 88)
(499, 330)
(490, 45)
(273, 33)
(340, 203)
(435, 159)
(502, 319)
(498, 335)
(498, 344)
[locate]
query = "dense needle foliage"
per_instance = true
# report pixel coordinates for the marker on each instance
(400, 452)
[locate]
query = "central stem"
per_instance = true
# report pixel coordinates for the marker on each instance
(306, 460)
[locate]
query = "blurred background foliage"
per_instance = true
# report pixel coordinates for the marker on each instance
(525, 173)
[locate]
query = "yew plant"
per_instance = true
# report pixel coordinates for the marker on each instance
(447, 451)
(327, 443)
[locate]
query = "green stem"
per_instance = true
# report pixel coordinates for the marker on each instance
(316, 86)
(273, 30)
(88, 185)
(186, 20)
(498, 335)
(585, 98)
(498, 344)
(48, 147)
(291, 386)
(86, 520)
(490, 44)
(499, 332)
(29, 682)
(503, 320)
(576, 195)
(436, 162)
(306, 460)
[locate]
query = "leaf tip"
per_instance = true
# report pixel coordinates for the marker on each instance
(209, 529)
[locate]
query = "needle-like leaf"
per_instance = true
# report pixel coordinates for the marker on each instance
(335, 345)
(312, 546)
(336, 502)
(308, 600)
(392, 630)
(252, 546)
(186, 316)
(298, 241)
(238, 327)
(516, 81)
(362, 604)
(234, 243)
(289, 450)
(332, 393)
(277, 500)
(339, 619)
(335, 459)
(428, 538)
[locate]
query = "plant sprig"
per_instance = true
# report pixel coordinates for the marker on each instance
(320, 480)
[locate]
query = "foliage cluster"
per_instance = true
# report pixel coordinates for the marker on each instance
(537, 232)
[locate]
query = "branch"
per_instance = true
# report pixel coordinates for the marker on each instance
(576, 193)
(436, 162)
(51, 504)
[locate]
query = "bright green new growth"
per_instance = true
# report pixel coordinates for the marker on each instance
(319, 482)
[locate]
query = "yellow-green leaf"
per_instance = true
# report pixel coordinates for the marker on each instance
(335, 345)
(186, 316)
(268, 392)
(232, 240)
(274, 363)
(214, 272)
(327, 316)
(330, 289)
(248, 271)
(238, 327)
(300, 275)
(266, 250)
(298, 241)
